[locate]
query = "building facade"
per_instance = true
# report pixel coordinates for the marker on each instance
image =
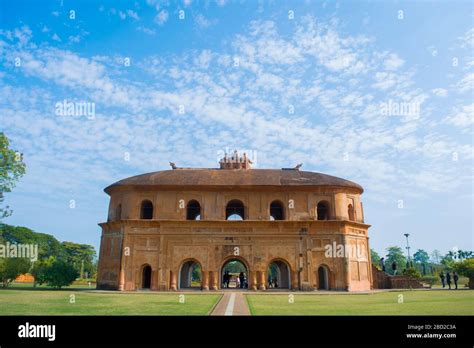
(308, 226)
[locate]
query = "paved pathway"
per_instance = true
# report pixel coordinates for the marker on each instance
(232, 303)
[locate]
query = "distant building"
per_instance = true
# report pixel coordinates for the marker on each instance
(305, 225)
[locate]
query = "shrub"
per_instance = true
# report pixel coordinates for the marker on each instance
(430, 280)
(412, 272)
(39, 270)
(466, 268)
(60, 274)
(10, 268)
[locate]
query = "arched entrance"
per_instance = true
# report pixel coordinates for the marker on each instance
(146, 277)
(234, 274)
(279, 276)
(190, 275)
(323, 278)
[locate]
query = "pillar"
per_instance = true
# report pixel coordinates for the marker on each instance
(261, 280)
(214, 280)
(347, 279)
(253, 280)
(173, 283)
(204, 280)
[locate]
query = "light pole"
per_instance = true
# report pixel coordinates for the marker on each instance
(408, 250)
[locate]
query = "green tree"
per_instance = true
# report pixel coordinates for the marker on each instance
(60, 274)
(412, 272)
(47, 244)
(12, 169)
(436, 257)
(375, 257)
(81, 256)
(40, 268)
(464, 254)
(466, 268)
(448, 260)
(12, 267)
(421, 256)
(395, 254)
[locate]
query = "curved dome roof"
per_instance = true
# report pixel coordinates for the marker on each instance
(234, 178)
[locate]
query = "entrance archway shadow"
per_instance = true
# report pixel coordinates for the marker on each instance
(323, 277)
(190, 275)
(146, 276)
(234, 274)
(279, 275)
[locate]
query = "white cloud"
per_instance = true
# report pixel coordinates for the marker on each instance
(203, 22)
(336, 110)
(440, 92)
(146, 30)
(161, 17)
(393, 62)
(462, 117)
(466, 84)
(133, 14)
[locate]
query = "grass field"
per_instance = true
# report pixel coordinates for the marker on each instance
(57, 302)
(441, 302)
(24, 300)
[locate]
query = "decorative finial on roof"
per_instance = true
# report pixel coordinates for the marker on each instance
(298, 166)
(236, 161)
(173, 165)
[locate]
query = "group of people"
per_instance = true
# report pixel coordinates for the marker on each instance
(240, 280)
(272, 282)
(447, 279)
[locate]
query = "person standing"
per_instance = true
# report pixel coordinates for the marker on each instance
(455, 278)
(448, 280)
(226, 279)
(382, 264)
(242, 279)
(441, 276)
(394, 268)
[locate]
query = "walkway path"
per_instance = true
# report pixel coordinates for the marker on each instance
(232, 303)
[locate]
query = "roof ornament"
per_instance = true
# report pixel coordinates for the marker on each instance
(235, 161)
(173, 165)
(298, 166)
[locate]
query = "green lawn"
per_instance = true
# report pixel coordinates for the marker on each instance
(57, 302)
(459, 302)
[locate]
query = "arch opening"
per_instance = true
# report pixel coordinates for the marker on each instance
(235, 210)
(146, 277)
(190, 275)
(277, 212)
(323, 278)
(350, 212)
(193, 210)
(234, 274)
(279, 276)
(146, 211)
(323, 210)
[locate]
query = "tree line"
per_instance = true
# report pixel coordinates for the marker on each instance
(425, 265)
(58, 263)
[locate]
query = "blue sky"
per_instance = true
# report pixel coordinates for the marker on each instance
(289, 81)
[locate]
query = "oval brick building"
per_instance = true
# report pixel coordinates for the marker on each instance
(287, 228)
